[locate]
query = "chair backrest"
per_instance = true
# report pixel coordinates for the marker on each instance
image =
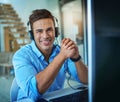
(14, 91)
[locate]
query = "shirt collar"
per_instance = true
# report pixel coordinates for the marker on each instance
(55, 50)
(35, 49)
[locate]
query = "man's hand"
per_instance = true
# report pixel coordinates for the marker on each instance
(69, 49)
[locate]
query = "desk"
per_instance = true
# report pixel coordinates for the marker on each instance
(6, 68)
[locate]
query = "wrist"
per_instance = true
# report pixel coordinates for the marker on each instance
(76, 59)
(62, 56)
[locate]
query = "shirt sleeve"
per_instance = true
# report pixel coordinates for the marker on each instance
(25, 75)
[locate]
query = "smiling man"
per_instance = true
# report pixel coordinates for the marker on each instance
(41, 66)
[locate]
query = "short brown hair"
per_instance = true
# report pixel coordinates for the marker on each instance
(40, 14)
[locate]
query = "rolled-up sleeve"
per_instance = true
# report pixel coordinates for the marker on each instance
(25, 73)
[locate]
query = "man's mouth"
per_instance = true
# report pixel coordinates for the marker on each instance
(46, 42)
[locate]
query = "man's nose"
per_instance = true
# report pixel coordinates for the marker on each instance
(45, 34)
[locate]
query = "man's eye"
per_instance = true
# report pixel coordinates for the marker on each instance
(49, 30)
(39, 31)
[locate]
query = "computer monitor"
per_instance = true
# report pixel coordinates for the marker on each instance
(103, 50)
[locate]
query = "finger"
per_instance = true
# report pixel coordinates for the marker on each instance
(71, 47)
(70, 43)
(67, 41)
(64, 40)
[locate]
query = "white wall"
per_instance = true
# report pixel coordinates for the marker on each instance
(25, 7)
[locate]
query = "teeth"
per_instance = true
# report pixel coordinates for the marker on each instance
(45, 40)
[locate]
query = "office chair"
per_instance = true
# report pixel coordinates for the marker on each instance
(13, 91)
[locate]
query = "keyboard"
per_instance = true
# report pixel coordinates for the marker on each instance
(68, 95)
(75, 97)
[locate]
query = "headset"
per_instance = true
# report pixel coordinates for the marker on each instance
(30, 32)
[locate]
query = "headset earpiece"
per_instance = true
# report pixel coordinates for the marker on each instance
(56, 27)
(56, 32)
(31, 34)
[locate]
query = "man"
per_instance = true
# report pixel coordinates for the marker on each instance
(40, 66)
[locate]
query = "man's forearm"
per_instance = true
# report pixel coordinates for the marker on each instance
(47, 76)
(82, 71)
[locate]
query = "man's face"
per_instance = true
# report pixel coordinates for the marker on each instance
(44, 34)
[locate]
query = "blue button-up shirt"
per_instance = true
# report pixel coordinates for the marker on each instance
(29, 61)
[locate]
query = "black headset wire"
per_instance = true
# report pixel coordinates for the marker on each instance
(68, 82)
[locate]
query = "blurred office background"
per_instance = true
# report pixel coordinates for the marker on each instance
(95, 29)
(14, 16)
